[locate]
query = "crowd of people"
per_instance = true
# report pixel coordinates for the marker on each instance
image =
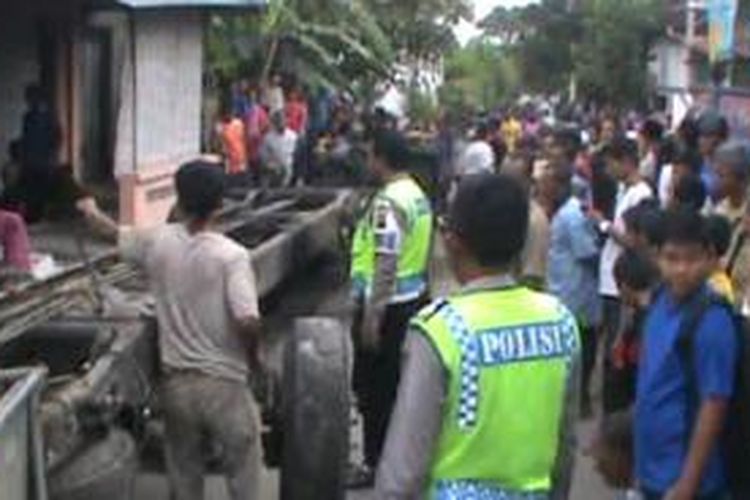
(278, 134)
(35, 186)
(640, 232)
(610, 241)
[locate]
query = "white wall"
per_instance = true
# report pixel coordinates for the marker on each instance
(168, 82)
(670, 64)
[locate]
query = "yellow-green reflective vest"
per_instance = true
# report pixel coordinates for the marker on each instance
(405, 196)
(508, 355)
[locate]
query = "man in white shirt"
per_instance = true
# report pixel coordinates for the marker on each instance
(273, 95)
(207, 309)
(650, 142)
(621, 156)
(277, 152)
(478, 157)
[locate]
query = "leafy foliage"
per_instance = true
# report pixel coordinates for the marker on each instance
(601, 44)
(326, 42)
(421, 28)
(479, 76)
(342, 43)
(610, 60)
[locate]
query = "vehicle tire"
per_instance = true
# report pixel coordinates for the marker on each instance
(104, 470)
(315, 411)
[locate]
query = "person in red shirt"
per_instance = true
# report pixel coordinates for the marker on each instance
(296, 112)
(256, 126)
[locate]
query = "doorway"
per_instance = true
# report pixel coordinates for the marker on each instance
(96, 107)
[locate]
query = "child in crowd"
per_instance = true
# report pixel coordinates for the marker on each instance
(685, 161)
(678, 450)
(720, 232)
(690, 191)
(637, 278)
(643, 225)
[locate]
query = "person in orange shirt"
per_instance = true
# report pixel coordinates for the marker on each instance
(234, 143)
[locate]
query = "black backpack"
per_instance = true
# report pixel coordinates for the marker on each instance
(737, 436)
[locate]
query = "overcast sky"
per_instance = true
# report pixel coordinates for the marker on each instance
(466, 31)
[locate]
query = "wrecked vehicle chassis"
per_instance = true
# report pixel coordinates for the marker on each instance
(94, 329)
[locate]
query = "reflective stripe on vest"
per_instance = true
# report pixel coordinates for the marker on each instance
(468, 403)
(411, 278)
(475, 490)
(407, 287)
(508, 354)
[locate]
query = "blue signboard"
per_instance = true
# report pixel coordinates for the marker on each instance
(722, 15)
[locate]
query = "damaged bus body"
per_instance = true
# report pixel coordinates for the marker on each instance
(93, 328)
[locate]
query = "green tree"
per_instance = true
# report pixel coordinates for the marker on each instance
(342, 43)
(611, 58)
(480, 75)
(602, 45)
(421, 28)
(332, 43)
(540, 38)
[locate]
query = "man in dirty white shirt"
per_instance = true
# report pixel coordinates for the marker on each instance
(207, 309)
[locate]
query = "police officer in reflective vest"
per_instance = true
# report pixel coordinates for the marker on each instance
(488, 395)
(390, 255)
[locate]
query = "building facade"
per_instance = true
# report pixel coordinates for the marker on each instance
(682, 73)
(124, 78)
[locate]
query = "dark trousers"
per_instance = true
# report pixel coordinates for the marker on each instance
(610, 328)
(589, 346)
(377, 374)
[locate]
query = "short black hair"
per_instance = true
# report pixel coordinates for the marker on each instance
(686, 155)
(690, 192)
(632, 216)
(483, 128)
(734, 154)
(688, 130)
(651, 225)
(685, 226)
(645, 218)
(636, 270)
(569, 139)
(652, 130)
(200, 188)
(719, 231)
(392, 147)
(622, 148)
(712, 122)
(490, 213)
